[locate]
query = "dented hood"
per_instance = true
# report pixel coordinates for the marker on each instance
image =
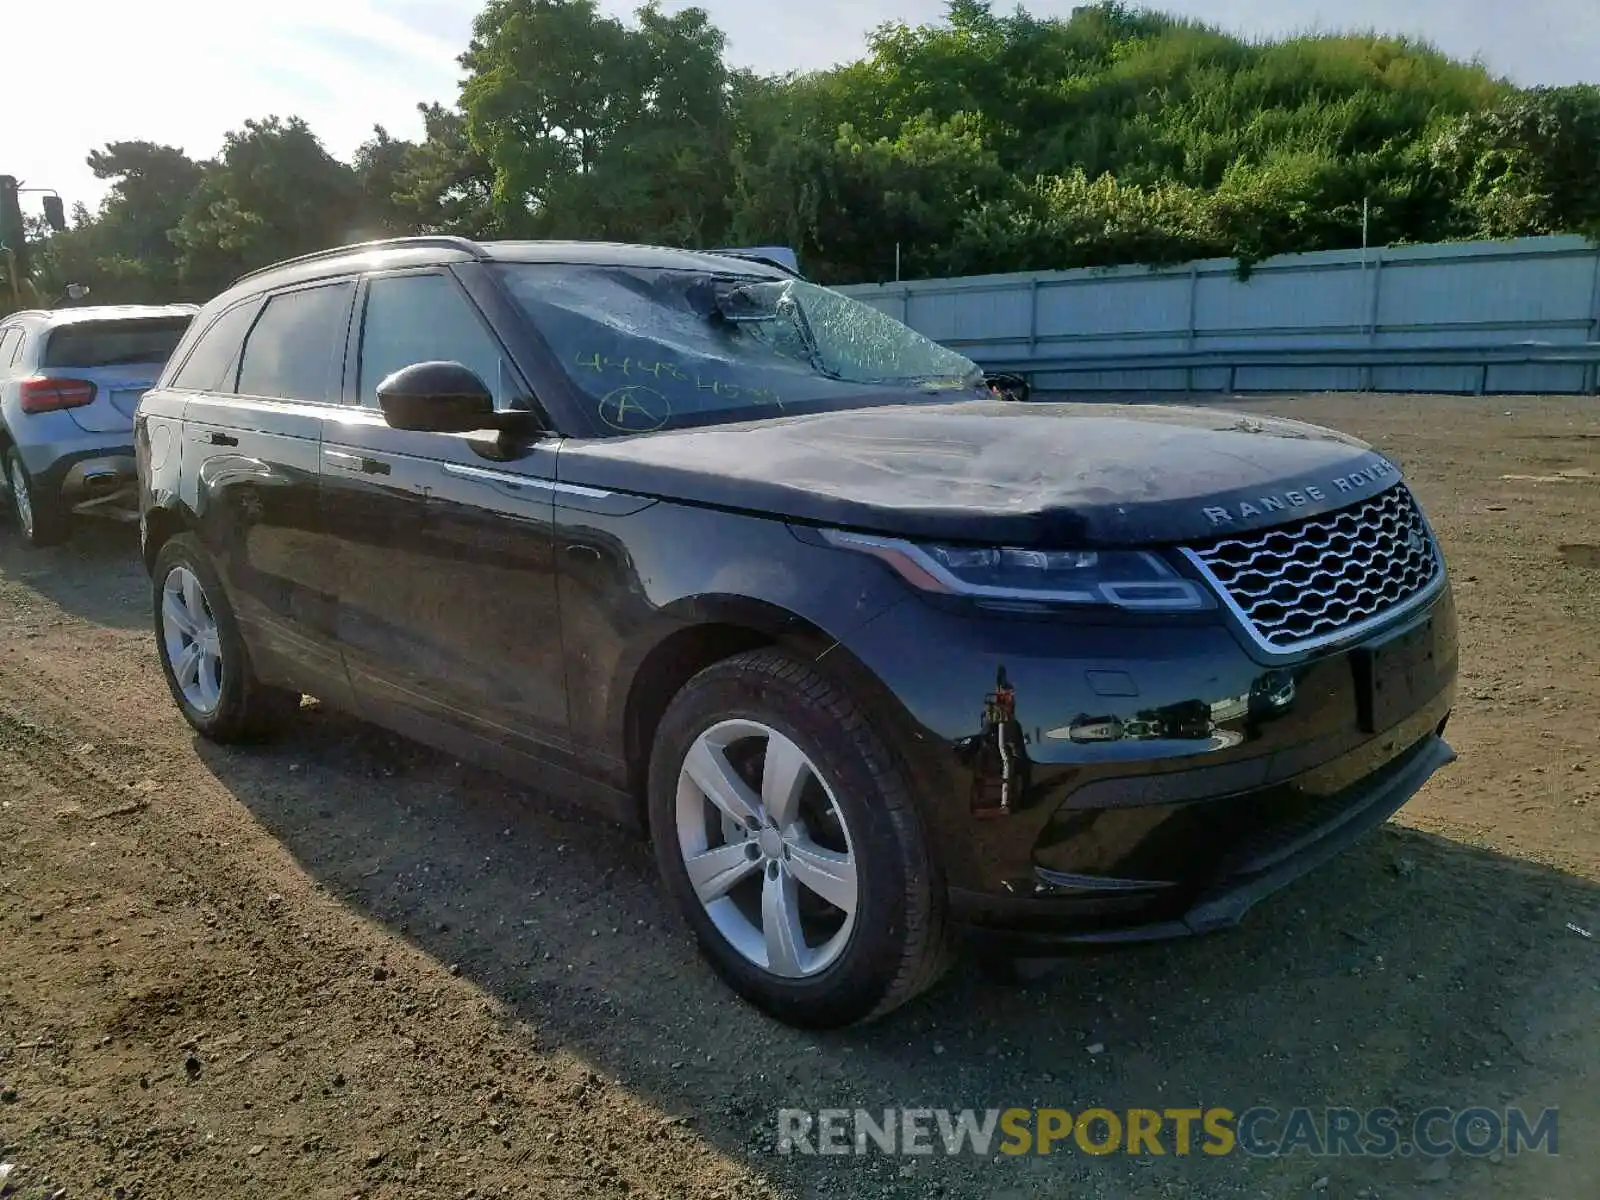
(999, 472)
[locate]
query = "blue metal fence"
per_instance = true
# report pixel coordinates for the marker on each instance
(1520, 316)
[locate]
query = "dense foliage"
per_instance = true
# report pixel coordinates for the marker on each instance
(982, 143)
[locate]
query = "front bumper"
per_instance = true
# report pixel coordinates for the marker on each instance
(1273, 858)
(1142, 780)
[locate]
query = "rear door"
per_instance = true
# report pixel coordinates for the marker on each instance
(122, 358)
(447, 593)
(250, 463)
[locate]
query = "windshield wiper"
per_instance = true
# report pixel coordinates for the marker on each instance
(739, 307)
(790, 307)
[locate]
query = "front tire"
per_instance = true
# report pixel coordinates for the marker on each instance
(789, 842)
(40, 518)
(203, 654)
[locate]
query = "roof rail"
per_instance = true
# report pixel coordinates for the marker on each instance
(440, 241)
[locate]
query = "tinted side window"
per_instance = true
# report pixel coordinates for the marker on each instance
(295, 350)
(9, 340)
(214, 362)
(424, 318)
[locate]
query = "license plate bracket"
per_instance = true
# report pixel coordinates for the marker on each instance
(1395, 676)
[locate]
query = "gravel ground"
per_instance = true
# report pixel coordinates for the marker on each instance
(343, 965)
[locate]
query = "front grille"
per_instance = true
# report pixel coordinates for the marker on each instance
(1304, 584)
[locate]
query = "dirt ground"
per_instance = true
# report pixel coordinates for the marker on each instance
(343, 965)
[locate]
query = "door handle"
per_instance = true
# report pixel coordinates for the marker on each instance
(222, 439)
(341, 461)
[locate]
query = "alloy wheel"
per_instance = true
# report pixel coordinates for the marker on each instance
(767, 848)
(20, 496)
(193, 642)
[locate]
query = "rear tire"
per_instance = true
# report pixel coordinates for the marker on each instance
(745, 870)
(40, 517)
(203, 655)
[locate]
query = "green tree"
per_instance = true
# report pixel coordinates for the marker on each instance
(855, 207)
(274, 192)
(1119, 134)
(380, 165)
(550, 83)
(982, 142)
(663, 177)
(445, 185)
(125, 251)
(1527, 165)
(599, 129)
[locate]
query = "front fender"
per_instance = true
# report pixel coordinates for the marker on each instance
(631, 583)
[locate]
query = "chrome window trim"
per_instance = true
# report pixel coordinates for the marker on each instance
(506, 478)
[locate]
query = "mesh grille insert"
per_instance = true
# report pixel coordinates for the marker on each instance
(1306, 582)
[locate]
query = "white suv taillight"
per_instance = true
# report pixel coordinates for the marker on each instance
(41, 394)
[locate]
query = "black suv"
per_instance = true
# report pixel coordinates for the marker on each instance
(876, 657)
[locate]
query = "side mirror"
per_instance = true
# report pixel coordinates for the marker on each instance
(437, 397)
(55, 213)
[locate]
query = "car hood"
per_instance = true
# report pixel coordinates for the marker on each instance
(1001, 472)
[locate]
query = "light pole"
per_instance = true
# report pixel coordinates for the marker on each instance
(13, 233)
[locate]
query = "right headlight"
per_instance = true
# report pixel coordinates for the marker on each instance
(1129, 579)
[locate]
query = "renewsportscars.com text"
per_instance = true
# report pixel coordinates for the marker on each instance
(1258, 1132)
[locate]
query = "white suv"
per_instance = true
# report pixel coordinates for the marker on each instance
(70, 381)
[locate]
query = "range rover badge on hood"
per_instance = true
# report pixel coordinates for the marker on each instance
(1292, 498)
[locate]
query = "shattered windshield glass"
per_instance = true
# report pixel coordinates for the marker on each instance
(842, 338)
(652, 348)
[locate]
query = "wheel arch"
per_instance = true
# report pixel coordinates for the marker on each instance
(162, 522)
(697, 633)
(709, 629)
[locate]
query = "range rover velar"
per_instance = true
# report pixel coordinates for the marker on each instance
(876, 657)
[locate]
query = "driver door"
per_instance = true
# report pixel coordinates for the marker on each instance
(448, 615)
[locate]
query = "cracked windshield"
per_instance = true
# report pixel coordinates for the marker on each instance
(651, 349)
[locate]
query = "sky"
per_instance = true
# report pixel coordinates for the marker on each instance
(184, 72)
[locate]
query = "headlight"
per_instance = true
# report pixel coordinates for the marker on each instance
(1129, 579)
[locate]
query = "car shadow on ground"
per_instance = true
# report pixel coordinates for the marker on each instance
(96, 574)
(1411, 972)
